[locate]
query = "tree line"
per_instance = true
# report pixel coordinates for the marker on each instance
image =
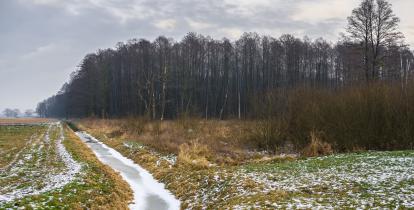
(213, 78)
(14, 113)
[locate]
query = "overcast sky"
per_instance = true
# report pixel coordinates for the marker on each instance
(42, 41)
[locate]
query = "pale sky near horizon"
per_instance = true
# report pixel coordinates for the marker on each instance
(42, 41)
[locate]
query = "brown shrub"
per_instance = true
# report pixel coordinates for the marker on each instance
(377, 116)
(269, 135)
(317, 147)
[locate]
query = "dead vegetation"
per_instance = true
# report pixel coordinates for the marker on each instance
(194, 169)
(14, 121)
(194, 154)
(195, 141)
(317, 146)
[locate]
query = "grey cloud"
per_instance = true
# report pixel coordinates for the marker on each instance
(42, 41)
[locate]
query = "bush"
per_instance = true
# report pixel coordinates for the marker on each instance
(317, 147)
(268, 134)
(365, 117)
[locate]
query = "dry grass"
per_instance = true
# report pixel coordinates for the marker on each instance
(13, 121)
(273, 182)
(13, 139)
(222, 142)
(194, 178)
(317, 146)
(194, 154)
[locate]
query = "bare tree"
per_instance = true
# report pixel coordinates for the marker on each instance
(375, 25)
(220, 78)
(12, 113)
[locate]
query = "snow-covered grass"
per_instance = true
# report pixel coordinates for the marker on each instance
(358, 180)
(363, 180)
(37, 171)
(51, 171)
(366, 180)
(13, 140)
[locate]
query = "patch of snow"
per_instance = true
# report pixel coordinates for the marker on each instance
(51, 181)
(141, 181)
(382, 176)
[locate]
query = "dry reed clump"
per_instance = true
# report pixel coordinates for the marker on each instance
(317, 147)
(194, 154)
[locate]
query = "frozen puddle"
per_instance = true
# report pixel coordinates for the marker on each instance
(148, 193)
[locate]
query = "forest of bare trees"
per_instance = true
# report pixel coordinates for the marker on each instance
(211, 78)
(225, 79)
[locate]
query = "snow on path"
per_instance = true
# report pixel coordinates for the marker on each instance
(51, 180)
(148, 193)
